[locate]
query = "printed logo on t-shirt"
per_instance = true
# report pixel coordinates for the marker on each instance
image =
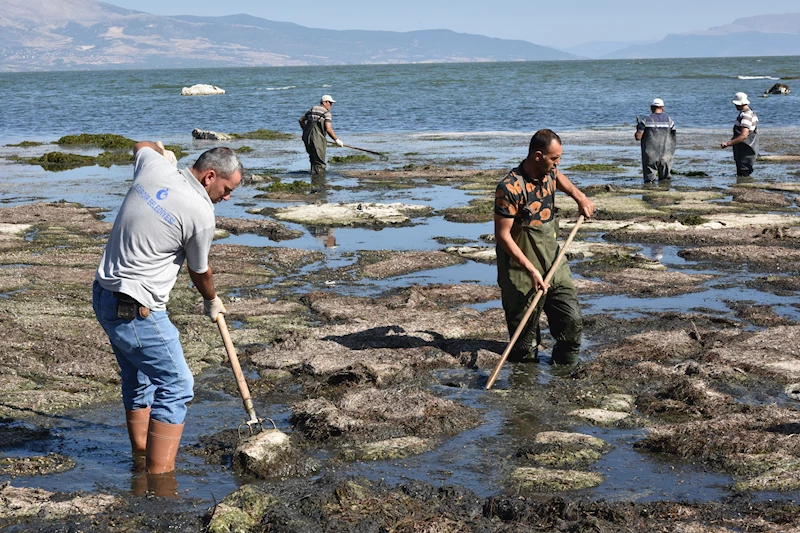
(162, 194)
(165, 215)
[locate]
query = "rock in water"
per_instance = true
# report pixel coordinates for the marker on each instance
(779, 88)
(201, 90)
(269, 454)
(197, 133)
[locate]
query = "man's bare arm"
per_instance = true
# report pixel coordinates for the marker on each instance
(585, 205)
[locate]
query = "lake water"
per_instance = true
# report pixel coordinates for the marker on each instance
(388, 99)
(471, 115)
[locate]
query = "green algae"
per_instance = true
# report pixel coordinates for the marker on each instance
(691, 173)
(108, 158)
(244, 149)
(690, 219)
(292, 187)
(478, 210)
(58, 161)
(106, 141)
(178, 150)
(240, 511)
(25, 144)
(546, 480)
(358, 158)
(262, 134)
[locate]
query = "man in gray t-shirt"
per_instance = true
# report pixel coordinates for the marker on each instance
(167, 218)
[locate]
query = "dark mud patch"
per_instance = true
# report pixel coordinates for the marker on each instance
(13, 434)
(75, 217)
(387, 264)
(479, 210)
(368, 414)
(431, 174)
(763, 258)
(780, 285)
(357, 504)
(36, 465)
(753, 196)
(647, 283)
(275, 231)
(761, 439)
(399, 340)
(240, 267)
(760, 315)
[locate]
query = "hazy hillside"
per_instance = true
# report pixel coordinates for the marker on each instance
(80, 34)
(763, 35)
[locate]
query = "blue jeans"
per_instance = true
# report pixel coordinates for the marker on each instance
(153, 369)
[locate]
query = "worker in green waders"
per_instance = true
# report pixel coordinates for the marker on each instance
(316, 124)
(526, 230)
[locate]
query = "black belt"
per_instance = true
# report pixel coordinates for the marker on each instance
(128, 307)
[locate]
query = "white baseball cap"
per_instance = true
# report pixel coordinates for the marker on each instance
(740, 99)
(657, 102)
(327, 98)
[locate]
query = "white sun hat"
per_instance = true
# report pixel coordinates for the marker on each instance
(740, 99)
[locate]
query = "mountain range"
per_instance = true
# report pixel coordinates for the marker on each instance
(88, 34)
(85, 34)
(762, 35)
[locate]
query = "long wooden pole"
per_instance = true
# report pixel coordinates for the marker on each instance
(357, 148)
(244, 390)
(532, 306)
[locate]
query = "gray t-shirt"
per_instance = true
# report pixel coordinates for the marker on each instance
(166, 217)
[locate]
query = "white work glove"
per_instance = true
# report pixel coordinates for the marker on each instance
(339, 143)
(168, 154)
(212, 308)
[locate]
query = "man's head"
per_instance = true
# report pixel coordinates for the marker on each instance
(657, 106)
(327, 101)
(544, 153)
(740, 100)
(219, 171)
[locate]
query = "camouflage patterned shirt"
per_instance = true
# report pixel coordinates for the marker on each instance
(532, 207)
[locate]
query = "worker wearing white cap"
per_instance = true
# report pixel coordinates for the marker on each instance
(745, 136)
(657, 135)
(316, 123)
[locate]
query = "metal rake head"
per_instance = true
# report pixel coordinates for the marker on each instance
(253, 426)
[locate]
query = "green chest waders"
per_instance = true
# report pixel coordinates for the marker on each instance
(316, 142)
(560, 303)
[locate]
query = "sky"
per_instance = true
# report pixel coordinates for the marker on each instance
(557, 23)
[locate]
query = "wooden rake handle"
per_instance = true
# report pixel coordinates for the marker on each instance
(244, 390)
(532, 306)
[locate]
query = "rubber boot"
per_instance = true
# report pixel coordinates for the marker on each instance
(138, 421)
(162, 446)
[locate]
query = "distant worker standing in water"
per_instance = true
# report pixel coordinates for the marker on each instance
(657, 135)
(745, 136)
(526, 229)
(316, 123)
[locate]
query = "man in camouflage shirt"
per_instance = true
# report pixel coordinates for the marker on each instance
(525, 231)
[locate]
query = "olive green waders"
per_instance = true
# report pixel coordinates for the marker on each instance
(316, 143)
(560, 303)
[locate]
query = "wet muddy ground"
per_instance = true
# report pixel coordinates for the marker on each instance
(368, 341)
